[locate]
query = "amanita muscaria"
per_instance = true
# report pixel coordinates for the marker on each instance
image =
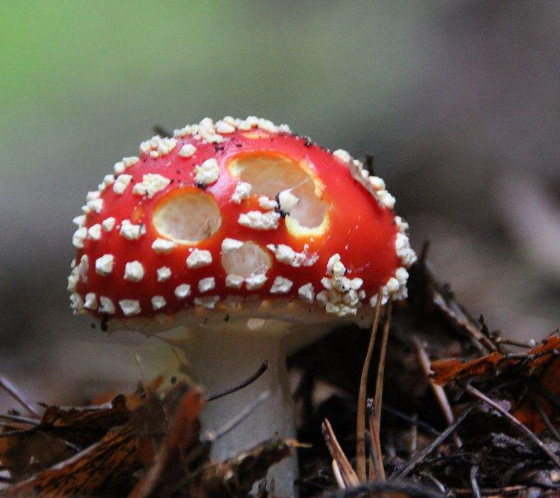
(252, 238)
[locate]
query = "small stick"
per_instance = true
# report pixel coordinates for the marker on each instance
(516, 423)
(439, 392)
(162, 131)
(413, 420)
(347, 473)
(378, 471)
(414, 435)
(415, 460)
(545, 418)
(12, 390)
(238, 419)
(338, 475)
(519, 344)
(381, 367)
(362, 397)
(474, 482)
(262, 369)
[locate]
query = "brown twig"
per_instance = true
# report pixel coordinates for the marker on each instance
(13, 391)
(474, 482)
(162, 131)
(377, 471)
(230, 390)
(347, 473)
(362, 398)
(439, 392)
(381, 366)
(545, 418)
(516, 423)
(419, 457)
(213, 435)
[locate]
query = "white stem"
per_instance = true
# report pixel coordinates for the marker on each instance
(222, 360)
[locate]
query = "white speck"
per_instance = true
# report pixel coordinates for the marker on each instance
(187, 150)
(76, 302)
(242, 191)
(285, 254)
(119, 168)
(93, 195)
(158, 146)
(94, 232)
(199, 258)
(130, 307)
(281, 285)
(392, 285)
(386, 199)
(151, 184)
(307, 293)
(90, 301)
(207, 173)
(121, 183)
(134, 271)
(163, 273)
(284, 128)
(255, 282)
(267, 125)
(401, 224)
(342, 155)
(231, 245)
(95, 205)
(107, 181)
(267, 203)
(403, 249)
(163, 246)
(104, 265)
(107, 306)
(182, 291)
(260, 221)
(79, 220)
(73, 280)
(287, 201)
(356, 283)
(208, 302)
(158, 302)
(401, 275)
(335, 266)
(79, 237)
(376, 182)
(130, 161)
(225, 128)
(234, 281)
(206, 284)
(108, 224)
(130, 231)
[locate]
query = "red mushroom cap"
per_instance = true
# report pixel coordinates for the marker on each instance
(234, 214)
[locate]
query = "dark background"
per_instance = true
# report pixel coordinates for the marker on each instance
(459, 101)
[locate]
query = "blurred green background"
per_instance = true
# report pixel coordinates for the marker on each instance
(459, 101)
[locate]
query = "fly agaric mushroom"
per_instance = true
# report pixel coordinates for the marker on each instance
(254, 239)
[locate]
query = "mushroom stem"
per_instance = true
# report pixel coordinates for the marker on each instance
(221, 360)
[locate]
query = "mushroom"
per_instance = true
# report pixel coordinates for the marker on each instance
(251, 238)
